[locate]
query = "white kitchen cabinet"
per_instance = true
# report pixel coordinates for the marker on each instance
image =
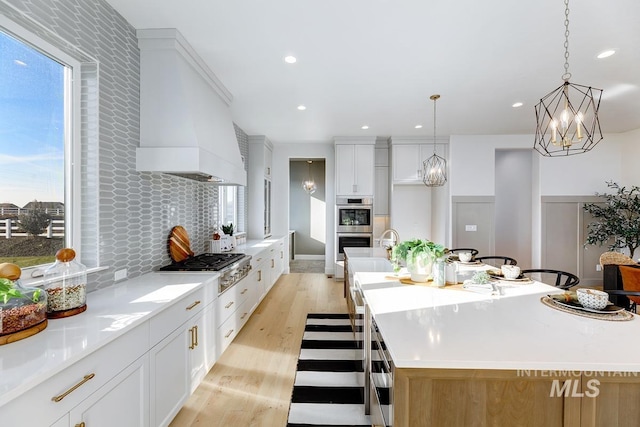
(407, 161)
(179, 361)
(355, 169)
(92, 385)
(123, 402)
(259, 187)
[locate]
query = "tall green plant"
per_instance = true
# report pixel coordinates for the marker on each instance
(617, 219)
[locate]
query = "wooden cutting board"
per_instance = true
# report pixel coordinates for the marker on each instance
(179, 244)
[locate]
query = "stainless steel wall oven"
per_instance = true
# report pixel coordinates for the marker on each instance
(354, 224)
(354, 215)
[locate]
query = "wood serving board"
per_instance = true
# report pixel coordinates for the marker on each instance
(179, 244)
(25, 333)
(66, 313)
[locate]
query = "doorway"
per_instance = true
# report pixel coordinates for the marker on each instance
(307, 215)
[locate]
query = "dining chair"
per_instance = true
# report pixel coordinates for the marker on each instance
(474, 252)
(496, 260)
(616, 258)
(629, 305)
(630, 285)
(563, 279)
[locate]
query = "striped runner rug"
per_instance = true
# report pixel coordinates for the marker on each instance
(329, 385)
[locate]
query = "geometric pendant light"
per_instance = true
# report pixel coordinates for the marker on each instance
(434, 169)
(567, 118)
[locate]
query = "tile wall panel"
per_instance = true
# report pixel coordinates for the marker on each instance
(126, 215)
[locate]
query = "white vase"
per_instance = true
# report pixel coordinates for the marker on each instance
(420, 268)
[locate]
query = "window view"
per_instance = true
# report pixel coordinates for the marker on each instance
(228, 202)
(32, 154)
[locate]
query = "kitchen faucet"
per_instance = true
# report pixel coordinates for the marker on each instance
(393, 232)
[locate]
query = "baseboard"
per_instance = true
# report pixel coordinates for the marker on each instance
(309, 257)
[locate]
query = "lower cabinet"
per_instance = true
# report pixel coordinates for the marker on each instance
(179, 363)
(104, 382)
(122, 402)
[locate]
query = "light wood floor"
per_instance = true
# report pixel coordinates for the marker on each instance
(251, 383)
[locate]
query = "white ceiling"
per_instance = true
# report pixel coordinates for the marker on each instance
(376, 62)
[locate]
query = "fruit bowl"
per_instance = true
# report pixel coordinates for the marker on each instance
(593, 298)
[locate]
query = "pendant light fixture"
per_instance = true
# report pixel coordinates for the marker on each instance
(309, 185)
(434, 169)
(567, 118)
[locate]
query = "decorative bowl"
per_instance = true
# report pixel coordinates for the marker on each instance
(593, 298)
(510, 271)
(464, 256)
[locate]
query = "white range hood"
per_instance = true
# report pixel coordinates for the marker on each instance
(185, 122)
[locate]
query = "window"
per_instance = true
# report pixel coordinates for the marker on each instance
(228, 205)
(36, 149)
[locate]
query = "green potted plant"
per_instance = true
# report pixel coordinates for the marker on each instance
(228, 229)
(418, 255)
(617, 219)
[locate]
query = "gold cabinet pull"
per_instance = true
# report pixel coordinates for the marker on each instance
(72, 389)
(228, 334)
(273, 263)
(196, 334)
(229, 305)
(82, 424)
(244, 291)
(192, 345)
(259, 275)
(193, 305)
(243, 316)
(281, 255)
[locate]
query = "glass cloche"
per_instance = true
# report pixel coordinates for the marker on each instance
(66, 285)
(22, 309)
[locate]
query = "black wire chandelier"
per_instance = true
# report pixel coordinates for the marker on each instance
(564, 127)
(434, 169)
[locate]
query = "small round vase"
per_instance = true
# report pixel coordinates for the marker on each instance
(420, 268)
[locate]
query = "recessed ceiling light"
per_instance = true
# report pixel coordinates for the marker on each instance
(606, 54)
(290, 59)
(517, 104)
(418, 126)
(18, 62)
(365, 127)
(301, 107)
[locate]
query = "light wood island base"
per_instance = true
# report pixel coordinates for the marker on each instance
(467, 397)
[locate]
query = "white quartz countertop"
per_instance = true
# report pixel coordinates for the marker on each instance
(110, 313)
(366, 253)
(452, 328)
(254, 247)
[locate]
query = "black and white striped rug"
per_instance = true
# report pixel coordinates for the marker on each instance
(329, 385)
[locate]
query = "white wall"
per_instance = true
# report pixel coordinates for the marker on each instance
(282, 153)
(472, 170)
(630, 144)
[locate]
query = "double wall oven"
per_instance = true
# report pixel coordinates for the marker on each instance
(354, 224)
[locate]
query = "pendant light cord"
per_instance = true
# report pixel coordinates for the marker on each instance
(434, 98)
(567, 75)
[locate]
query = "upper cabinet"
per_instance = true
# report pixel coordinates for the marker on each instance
(259, 187)
(407, 157)
(355, 170)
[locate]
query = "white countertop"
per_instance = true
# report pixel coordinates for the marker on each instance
(430, 327)
(110, 313)
(366, 253)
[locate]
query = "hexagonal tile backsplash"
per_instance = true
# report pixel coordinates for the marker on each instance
(126, 215)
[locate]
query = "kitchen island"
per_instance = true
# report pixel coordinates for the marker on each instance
(460, 358)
